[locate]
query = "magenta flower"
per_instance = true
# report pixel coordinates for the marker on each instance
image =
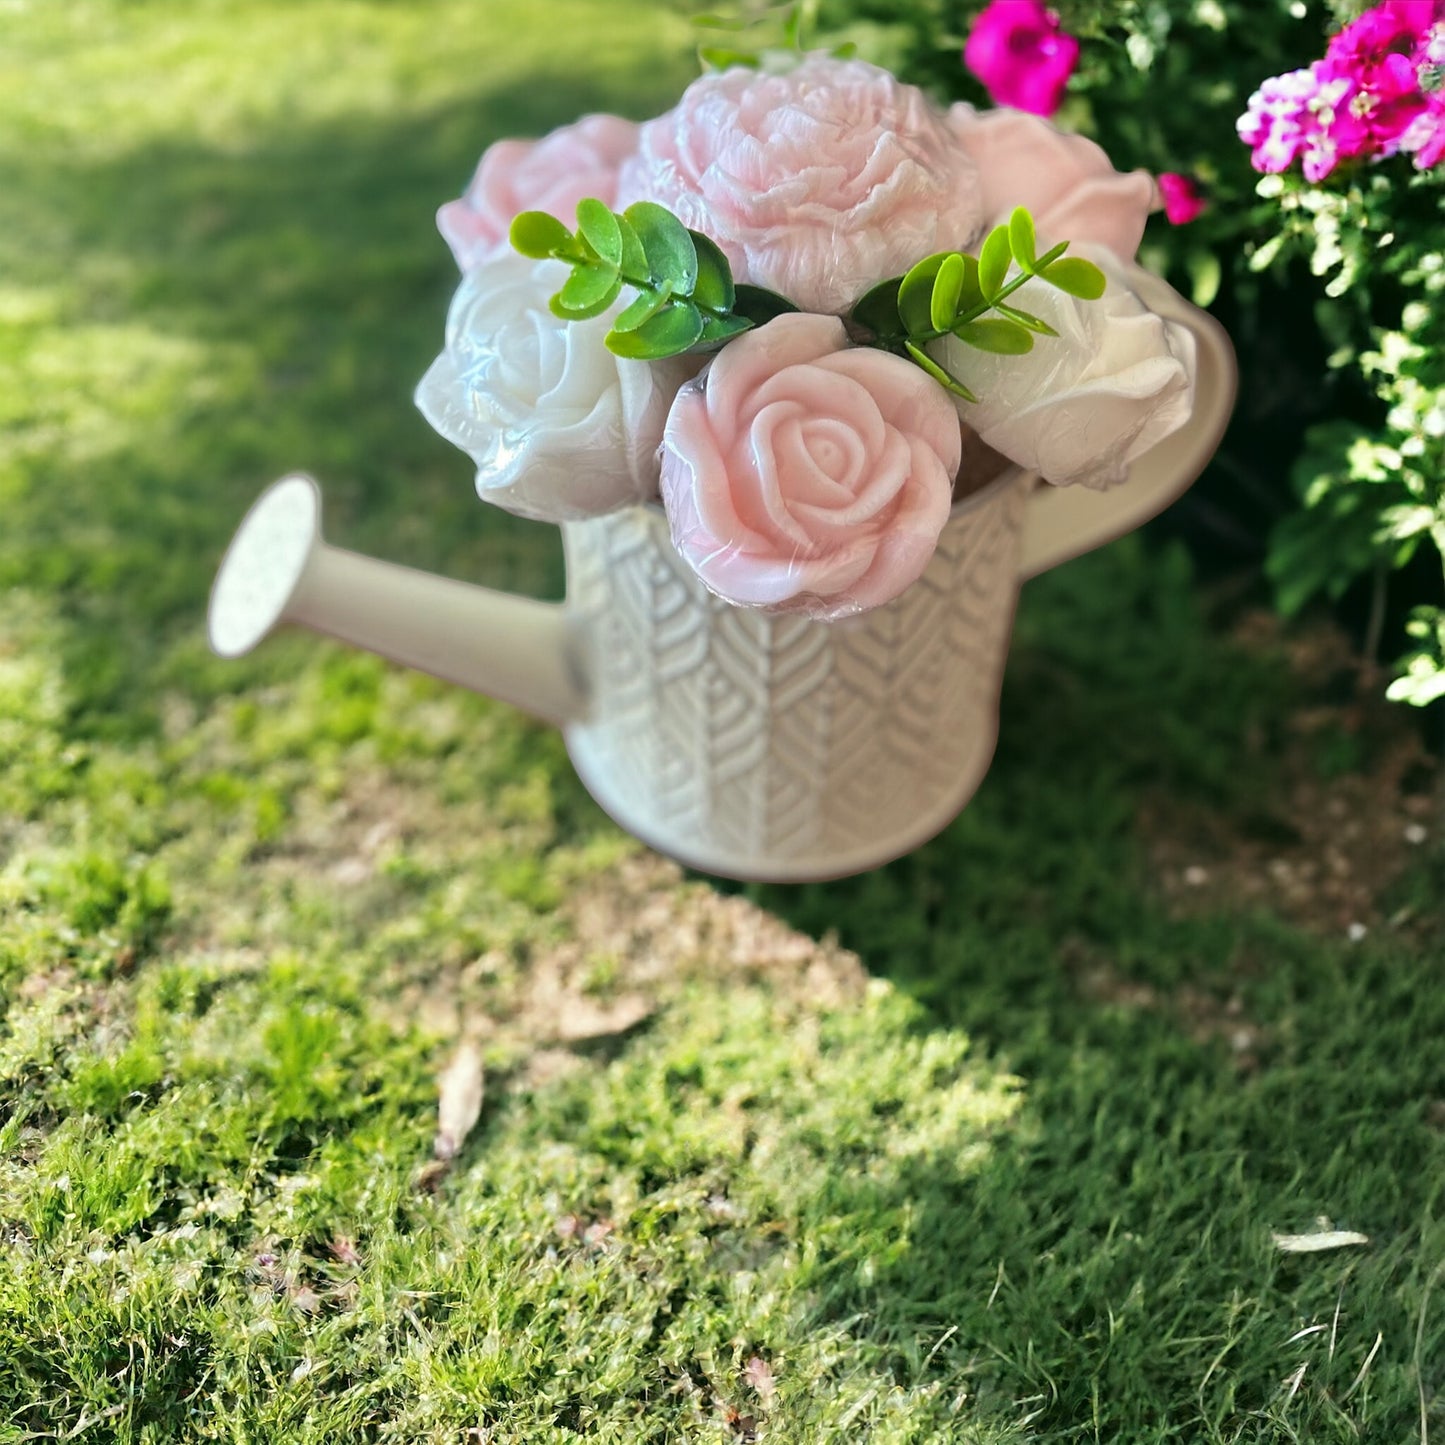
(1426, 138)
(1289, 117)
(1374, 93)
(1018, 51)
(1380, 53)
(1183, 200)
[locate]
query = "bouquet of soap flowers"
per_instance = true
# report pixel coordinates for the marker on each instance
(789, 308)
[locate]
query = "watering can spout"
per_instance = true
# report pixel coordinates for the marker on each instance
(278, 569)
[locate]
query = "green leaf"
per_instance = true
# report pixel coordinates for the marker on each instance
(1025, 318)
(1021, 238)
(759, 305)
(1204, 277)
(600, 230)
(675, 329)
(878, 309)
(993, 262)
(947, 287)
(971, 293)
(634, 258)
(1421, 685)
(667, 244)
(721, 58)
(536, 234)
(647, 304)
(1049, 257)
(1423, 679)
(915, 294)
(718, 329)
(998, 335)
(587, 292)
(1077, 276)
(942, 377)
(714, 290)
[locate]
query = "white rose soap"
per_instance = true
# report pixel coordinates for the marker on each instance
(559, 427)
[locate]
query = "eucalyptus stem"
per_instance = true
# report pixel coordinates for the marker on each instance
(973, 314)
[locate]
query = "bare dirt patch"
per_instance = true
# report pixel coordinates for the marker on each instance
(1356, 803)
(630, 939)
(1204, 1016)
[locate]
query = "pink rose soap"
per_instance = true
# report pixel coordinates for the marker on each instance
(551, 174)
(816, 183)
(806, 474)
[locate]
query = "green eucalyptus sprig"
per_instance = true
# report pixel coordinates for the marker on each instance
(686, 298)
(952, 293)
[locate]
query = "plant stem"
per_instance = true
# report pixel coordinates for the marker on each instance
(919, 338)
(1375, 626)
(649, 285)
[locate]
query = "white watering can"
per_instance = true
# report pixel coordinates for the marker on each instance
(750, 745)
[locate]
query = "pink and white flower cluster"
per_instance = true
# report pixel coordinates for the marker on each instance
(1379, 90)
(798, 470)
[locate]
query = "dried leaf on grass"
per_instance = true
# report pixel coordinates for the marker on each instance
(1318, 1241)
(460, 1103)
(759, 1374)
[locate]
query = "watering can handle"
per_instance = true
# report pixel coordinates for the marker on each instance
(1066, 522)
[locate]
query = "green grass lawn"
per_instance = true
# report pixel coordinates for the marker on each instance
(987, 1146)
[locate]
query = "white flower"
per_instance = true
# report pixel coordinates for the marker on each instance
(558, 426)
(1081, 406)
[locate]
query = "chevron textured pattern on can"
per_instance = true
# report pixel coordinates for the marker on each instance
(726, 731)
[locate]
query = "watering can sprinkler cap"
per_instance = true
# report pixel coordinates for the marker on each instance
(264, 565)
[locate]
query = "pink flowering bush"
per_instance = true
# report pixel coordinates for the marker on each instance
(1376, 91)
(806, 474)
(1374, 98)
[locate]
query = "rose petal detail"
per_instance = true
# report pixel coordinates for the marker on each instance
(816, 182)
(551, 174)
(558, 426)
(1065, 181)
(802, 474)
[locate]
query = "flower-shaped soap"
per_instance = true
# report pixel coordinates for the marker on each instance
(1081, 406)
(816, 183)
(1065, 181)
(558, 426)
(551, 174)
(804, 474)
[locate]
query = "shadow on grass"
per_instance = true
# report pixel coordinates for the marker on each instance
(221, 318)
(1192, 1082)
